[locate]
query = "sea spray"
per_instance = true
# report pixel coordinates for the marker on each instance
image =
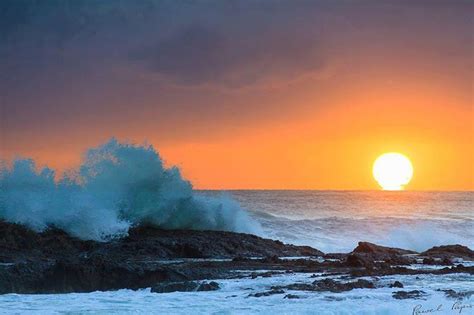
(117, 186)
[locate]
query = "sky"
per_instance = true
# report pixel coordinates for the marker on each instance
(282, 94)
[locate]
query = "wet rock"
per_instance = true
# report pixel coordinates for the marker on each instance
(334, 286)
(291, 296)
(429, 261)
(266, 274)
(460, 295)
(414, 294)
(241, 259)
(396, 284)
(447, 262)
(380, 251)
(211, 286)
(328, 285)
(271, 260)
(167, 287)
(437, 261)
(358, 260)
(184, 286)
(267, 293)
(450, 251)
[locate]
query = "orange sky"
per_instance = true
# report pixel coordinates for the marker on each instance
(335, 149)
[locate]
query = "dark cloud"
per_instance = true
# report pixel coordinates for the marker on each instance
(226, 42)
(70, 65)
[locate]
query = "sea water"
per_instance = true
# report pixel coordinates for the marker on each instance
(334, 221)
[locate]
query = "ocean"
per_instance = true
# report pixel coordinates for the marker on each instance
(332, 221)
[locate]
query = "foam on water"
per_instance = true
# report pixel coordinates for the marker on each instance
(117, 186)
(233, 298)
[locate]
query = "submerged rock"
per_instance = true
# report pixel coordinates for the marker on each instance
(414, 294)
(184, 286)
(460, 295)
(267, 293)
(396, 284)
(328, 285)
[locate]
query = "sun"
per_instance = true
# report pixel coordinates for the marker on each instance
(392, 171)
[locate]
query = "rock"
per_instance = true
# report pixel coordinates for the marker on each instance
(446, 262)
(291, 296)
(414, 294)
(54, 262)
(370, 248)
(271, 259)
(166, 287)
(211, 286)
(328, 285)
(457, 295)
(368, 254)
(450, 251)
(396, 284)
(266, 274)
(358, 260)
(241, 259)
(429, 261)
(267, 293)
(184, 286)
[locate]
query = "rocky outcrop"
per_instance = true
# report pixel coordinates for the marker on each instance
(54, 262)
(17, 243)
(450, 251)
(366, 254)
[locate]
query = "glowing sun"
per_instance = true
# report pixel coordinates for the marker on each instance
(392, 171)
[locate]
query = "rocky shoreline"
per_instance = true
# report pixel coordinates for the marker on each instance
(180, 260)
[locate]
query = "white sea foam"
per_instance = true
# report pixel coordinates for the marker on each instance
(233, 298)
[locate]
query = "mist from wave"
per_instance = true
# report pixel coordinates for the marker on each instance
(117, 186)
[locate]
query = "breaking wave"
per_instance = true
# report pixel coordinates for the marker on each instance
(118, 185)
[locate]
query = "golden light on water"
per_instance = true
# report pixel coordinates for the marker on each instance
(392, 171)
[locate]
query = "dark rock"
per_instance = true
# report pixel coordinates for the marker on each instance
(357, 260)
(446, 262)
(334, 286)
(166, 287)
(328, 285)
(271, 260)
(267, 293)
(241, 259)
(450, 251)
(396, 284)
(414, 294)
(184, 286)
(266, 274)
(54, 262)
(370, 248)
(457, 295)
(211, 286)
(291, 296)
(429, 261)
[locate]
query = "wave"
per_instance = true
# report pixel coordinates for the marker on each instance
(340, 234)
(117, 186)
